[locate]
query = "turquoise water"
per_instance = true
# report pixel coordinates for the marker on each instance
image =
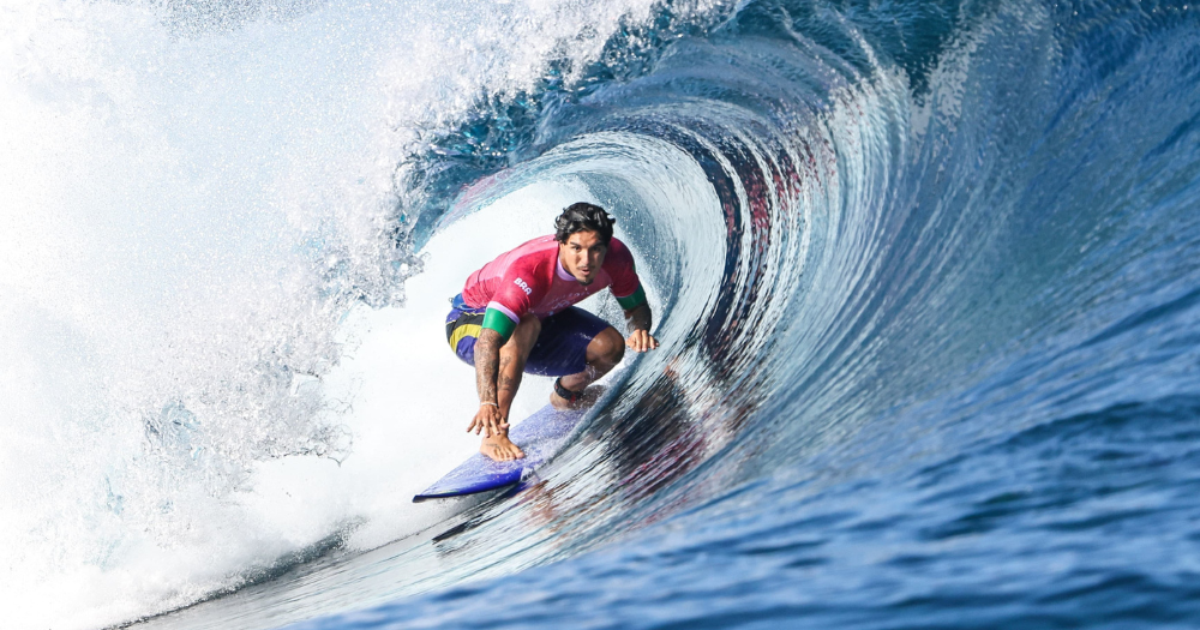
(926, 279)
(948, 375)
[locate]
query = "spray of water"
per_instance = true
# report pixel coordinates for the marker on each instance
(194, 199)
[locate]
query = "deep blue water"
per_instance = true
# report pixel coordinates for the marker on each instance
(930, 295)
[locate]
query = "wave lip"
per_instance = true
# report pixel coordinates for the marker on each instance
(196, 196)
(929, 253)
(900, 256)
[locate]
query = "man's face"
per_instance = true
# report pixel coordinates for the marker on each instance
(582, 255)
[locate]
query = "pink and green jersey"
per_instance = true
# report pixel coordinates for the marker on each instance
(530, 279)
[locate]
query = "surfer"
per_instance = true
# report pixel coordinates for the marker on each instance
(515, 315)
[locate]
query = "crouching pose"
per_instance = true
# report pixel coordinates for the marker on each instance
(515, 315)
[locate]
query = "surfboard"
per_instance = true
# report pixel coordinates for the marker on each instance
(540, 436)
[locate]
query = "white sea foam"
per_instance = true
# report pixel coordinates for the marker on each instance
(190, 199)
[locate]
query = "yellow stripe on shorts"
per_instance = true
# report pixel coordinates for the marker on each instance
(466, 330)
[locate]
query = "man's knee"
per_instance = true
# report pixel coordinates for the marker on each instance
(607, 347)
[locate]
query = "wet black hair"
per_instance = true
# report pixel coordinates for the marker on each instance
(583, 216)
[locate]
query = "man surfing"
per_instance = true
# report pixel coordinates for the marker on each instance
(515, 315)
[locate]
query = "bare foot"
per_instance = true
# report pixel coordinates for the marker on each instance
(500, 448)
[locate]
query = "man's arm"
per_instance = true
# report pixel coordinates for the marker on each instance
(638, 321)
(490, 418)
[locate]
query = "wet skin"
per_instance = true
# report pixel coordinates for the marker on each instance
(499, 368)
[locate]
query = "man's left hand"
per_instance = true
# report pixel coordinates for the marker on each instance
(641, 341)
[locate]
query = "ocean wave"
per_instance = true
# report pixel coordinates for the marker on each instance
(898, 256)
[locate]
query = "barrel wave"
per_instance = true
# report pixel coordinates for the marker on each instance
(926, 281)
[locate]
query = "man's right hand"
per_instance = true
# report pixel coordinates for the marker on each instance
(490, 420)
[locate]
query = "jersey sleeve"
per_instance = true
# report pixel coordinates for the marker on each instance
(516, 294)
(626, 286)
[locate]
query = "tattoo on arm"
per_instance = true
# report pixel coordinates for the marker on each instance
(487, 364)
(639, 318)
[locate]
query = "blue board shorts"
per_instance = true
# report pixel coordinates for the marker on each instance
(561, 348)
